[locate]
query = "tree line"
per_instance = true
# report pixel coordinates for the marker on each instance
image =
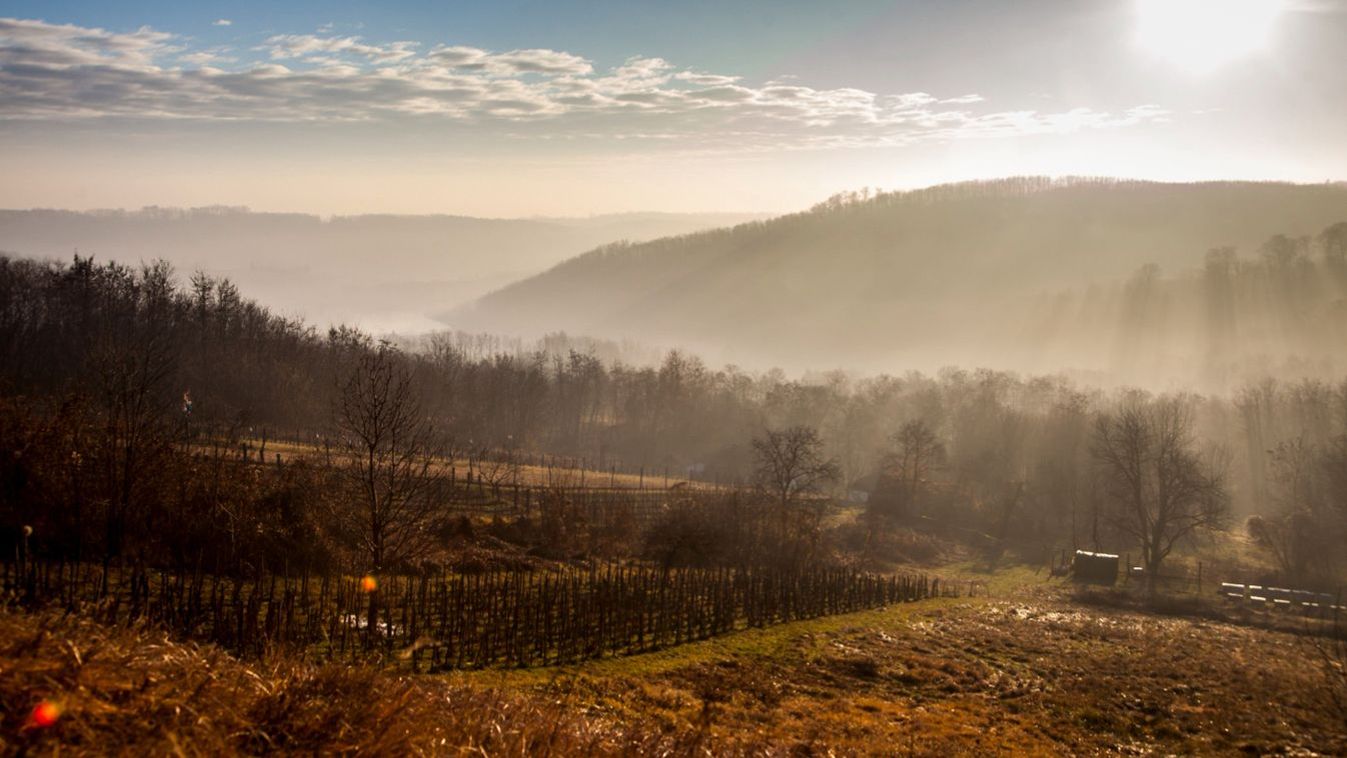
(105, 369)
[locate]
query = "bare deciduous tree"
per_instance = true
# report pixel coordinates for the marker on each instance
(916, 451)
(500, 467)
(1159, 489)
(1334, 467)
(390, 466)
(905, 469)
(130, 364)
(1298, 533)
(790, 465)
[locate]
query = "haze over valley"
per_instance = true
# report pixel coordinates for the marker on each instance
(1114, 281)
(742, 378)
(385, 273)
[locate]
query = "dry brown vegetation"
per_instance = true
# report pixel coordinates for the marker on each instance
(138, 693)
(1030, 674)
(106, 473)
(1030, 671)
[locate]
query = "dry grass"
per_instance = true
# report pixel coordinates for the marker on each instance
(529, 475)
(1029, 672)
(135, 692)
(1033, 675)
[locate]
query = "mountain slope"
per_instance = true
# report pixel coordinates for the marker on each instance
(383, 271)
(923, 278)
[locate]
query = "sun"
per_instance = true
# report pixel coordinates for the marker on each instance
(1200, 36)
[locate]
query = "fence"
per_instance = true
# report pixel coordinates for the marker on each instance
(1305, 601)
(1199, 580)
(442, 621)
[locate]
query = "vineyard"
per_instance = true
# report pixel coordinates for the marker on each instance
(445, 621)
(488, 483)
(493, 467)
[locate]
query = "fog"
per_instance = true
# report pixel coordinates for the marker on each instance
(1039, 294)
(383, 273)
(1194, 286)
(950, 378)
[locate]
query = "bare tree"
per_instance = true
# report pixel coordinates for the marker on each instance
(1158, 488)
(914, 452)
(131, 363)
(391, 459)
(790, 465)
(917, 451)
(499, 467)
(1299, 531)
(1334, 466)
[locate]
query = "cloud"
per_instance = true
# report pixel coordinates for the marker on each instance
(64, 72)
(208, 57)
(284, 46)
(705, 80)
(516, 62)
(222, 22)
(75, 48)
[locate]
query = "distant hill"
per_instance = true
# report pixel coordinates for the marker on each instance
(382, 271)
(954, 274)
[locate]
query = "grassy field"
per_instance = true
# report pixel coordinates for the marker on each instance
(1032, 673)
(1034, 669)
(563, 473)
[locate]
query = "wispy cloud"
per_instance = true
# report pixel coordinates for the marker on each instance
(51, 71)
(301, 45)
(222, 22)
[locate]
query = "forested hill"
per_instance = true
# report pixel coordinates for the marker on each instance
(380, 271)
(949, 274)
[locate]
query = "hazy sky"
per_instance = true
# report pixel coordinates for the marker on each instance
(565, 108)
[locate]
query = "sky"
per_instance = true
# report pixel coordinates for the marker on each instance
(565, 108)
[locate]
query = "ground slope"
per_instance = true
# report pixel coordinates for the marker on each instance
(1030, 670)
(1027, 672)
(932, 277)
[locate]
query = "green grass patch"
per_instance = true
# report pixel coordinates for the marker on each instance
(771, 642)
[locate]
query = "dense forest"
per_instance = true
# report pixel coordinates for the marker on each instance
(109, 370)
(1031, 274)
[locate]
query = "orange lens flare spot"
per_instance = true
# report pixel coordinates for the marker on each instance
(369, 583)
(45, 714)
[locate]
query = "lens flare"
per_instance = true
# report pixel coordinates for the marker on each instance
(45, 714)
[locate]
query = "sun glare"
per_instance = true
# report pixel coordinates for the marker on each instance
(1202, 35)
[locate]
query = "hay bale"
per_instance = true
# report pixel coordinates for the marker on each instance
(1095, 568)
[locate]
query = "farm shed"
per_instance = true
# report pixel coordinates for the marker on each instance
(1095, 568)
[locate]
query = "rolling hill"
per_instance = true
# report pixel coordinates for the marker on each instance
(379, 271)
(968, 274)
